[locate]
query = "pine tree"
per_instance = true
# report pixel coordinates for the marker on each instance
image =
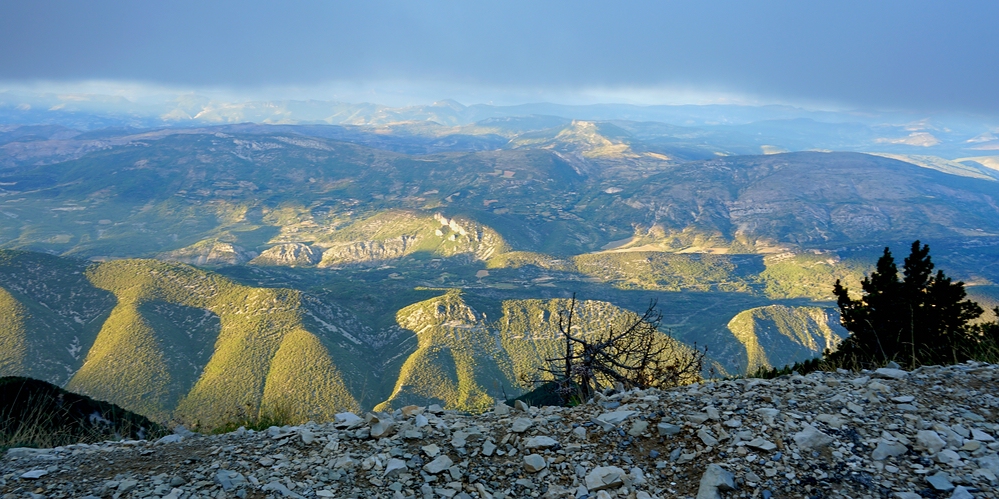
(921, 319)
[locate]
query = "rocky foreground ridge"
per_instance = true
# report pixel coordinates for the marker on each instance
(931, 432)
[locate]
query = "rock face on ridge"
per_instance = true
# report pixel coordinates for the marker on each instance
(289, 254)
(931, 432)
(210, 253)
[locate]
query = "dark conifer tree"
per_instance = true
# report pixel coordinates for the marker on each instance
(921, 319)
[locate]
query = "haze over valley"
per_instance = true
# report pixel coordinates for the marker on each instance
(356, 208)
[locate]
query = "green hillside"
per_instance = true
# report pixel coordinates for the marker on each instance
(175, 342)
(202, 274)
(777, 335)
(242, 357)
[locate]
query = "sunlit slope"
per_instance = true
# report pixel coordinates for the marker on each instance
(778, 335)
(465, 361)
(236, 360)
(459, 361)
(395, 234)
(815, 199)
(209, 197)
(51, 315)
(987, 297)
(13, 337)
(672, 272)
(809, 275)
(529, 330)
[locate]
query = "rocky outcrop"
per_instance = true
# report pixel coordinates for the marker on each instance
(289, 255)
(210, 253)
(887, 433)
(374, 252)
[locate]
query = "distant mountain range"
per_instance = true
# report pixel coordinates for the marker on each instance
(202, 273)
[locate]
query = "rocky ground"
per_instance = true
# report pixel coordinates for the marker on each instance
(888, 433)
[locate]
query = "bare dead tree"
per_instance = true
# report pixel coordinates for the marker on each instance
(637, 356)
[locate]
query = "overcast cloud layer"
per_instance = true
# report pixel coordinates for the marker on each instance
(938, 56)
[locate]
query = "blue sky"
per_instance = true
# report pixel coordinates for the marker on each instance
(912, 55)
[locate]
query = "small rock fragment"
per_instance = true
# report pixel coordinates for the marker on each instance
(810, 438)
(886, 449)
(715, 479)
(666, 429)
(638, 428)
(520, 425)
(307, 436)
(438, 465)
(604, 477)
(540, 442)
(940, 481)
(616, 417)
(707, 437)
(394, 467)
(889, 373)
(34, 474)
(170, 439)
(961, 492)
(761, 444)
(929, 441)
(534, 463)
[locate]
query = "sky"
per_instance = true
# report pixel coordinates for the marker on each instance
(892, 55)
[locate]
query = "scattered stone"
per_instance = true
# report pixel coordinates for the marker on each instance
(889, 373)
(787, 428)
(394, 467)
(381, 427)
(604, 477)
(420, 421)
(534, 463)
(347, 418)
(929, 441)
(666, 429)
(948, 456)
(501, 409)
(170, 439)
(886, 449)
(762, 444)
(707, 437)
(431, 450)
(961, 492)
(438, 465)
(981, 436)
(228, 479)
(520, 425)
(307, 436)
(715, 479)
(126, 486)
(940, 481)
(488, 448)
(638, 428)
(34, 474)
(276, 486)
(540, 442)
(810, 438)
(616, 417)
(521, 406)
